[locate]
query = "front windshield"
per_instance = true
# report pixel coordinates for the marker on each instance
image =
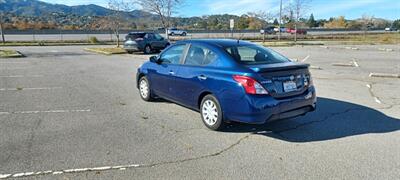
(253, 54)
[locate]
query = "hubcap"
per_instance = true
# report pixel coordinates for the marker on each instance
(148, 50)
(210, 112)
(144, 88)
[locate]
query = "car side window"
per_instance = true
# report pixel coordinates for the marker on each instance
(199, 55)
(247, 54)
(150, 36)
(158, 37)
(173, 55)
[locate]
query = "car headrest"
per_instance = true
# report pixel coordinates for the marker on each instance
(259, 57)
(198, 53)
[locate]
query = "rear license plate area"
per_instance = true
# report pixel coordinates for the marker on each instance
(289, 86)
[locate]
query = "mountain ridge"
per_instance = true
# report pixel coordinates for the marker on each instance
(40, 8)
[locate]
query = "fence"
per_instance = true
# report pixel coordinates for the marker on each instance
(84, 35)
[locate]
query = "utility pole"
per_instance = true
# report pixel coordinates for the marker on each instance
(1, 29)
(280, 21)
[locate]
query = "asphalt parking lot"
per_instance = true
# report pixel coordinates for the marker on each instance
(70, 114)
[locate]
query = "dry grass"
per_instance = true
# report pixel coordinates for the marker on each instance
(9, 53)
(386, 38)
(106, 51)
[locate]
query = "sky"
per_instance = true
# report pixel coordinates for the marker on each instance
(351, 9)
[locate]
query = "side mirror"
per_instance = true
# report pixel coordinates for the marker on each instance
(154, 59)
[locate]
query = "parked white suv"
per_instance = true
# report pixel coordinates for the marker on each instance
(175, 31)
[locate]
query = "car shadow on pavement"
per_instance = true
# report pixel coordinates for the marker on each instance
(333, 119)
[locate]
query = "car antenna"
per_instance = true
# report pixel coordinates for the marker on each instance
(240, 38)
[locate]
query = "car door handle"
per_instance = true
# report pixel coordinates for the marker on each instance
(171, 73)
(202, 77)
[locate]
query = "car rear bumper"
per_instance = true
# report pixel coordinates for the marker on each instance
(131, 47)
(260, 109)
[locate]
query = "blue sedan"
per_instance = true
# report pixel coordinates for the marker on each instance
(228, 80)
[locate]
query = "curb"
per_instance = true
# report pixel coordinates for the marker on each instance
(16, 54)
(102, 52)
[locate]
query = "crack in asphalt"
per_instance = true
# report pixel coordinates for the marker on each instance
(377, 98)
(203, 156)
(122, 167)
(32, 136)
(370, 90)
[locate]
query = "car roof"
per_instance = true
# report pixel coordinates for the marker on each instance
(132, 33)
(218, 42)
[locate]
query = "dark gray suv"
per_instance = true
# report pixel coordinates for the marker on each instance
(146, 42)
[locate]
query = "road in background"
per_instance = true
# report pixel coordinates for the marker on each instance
(111, 37)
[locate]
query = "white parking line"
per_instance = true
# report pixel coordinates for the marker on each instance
(377, 100)
(12, 68)
(58, 172)
(355, 63)
(14, 62)
(315, 67)
(47, 111)
(22, 88)
(21, 76)
(354, 60)
(305, 59)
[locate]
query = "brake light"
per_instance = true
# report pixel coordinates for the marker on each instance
(250, 85)
(308, 81)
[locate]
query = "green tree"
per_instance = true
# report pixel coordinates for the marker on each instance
(396, 24)
(243, 22)
(311, 21)
(321, 22)
(276, 23)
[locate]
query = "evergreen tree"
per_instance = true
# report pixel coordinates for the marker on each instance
(396, 24)
(276, 22)
(311, 21)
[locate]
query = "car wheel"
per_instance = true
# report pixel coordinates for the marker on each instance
(184, 34)
(211, 113)
(129, 52)
(147, 49)
(172, 34)
(144, 89)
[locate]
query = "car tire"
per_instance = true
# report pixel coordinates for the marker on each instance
(211, 113)
(183, 34)
(129, 52)
(147, 49)
(172, 34)
(144, 89)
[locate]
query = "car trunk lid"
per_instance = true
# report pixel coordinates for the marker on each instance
(283, 80)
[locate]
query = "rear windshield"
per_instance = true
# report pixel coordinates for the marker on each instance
(134, 36)
(253, 54)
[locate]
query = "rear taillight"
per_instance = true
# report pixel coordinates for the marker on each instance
(250, 85)
(308, 81)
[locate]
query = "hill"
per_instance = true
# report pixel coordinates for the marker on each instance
(39, 8)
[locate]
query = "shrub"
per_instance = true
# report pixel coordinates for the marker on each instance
(93, 40)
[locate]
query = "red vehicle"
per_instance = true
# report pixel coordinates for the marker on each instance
(299, 31)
